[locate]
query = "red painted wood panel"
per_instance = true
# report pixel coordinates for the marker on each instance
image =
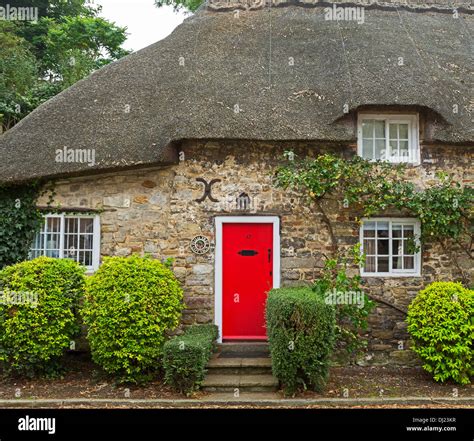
(247, 277)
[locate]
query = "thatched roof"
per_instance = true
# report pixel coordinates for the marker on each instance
(274, 73)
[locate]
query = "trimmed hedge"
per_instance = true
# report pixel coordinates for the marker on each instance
(186, 356)
(36, 327)
(301, 334)
(441, 324)
(130, 305)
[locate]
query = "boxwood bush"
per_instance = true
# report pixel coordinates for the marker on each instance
(130, 305)
(38, 314)
(441, 324)
(301, 334)
(186, 356)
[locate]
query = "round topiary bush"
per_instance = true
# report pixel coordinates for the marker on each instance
(441, 324)
(130, 305)
(38, 320)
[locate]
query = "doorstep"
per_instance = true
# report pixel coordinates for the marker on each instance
(240, 367)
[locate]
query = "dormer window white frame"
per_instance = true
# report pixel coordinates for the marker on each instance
(388, 137)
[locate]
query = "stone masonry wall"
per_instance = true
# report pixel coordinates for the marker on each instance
(155, 211)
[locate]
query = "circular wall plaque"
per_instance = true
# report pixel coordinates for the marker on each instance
(200, 245)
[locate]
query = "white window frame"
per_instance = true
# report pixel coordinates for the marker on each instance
(416, 272)
(95, 238)
(392, 118)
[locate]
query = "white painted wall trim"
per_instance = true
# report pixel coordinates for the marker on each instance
(97, 245)
(220, 220)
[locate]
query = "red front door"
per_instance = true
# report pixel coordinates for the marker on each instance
(247, 277)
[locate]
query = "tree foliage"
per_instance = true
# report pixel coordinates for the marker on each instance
(18, 74)
(188, 5)
(40, 59)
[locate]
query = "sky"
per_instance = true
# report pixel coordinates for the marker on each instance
(145, 23)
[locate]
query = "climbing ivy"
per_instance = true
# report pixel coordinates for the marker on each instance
(20, 219)
(351, 318)
(444, 208)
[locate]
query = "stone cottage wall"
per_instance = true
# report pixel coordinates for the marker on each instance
(156, 211)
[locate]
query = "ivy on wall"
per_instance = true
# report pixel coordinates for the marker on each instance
(20, 220)
(444, 208)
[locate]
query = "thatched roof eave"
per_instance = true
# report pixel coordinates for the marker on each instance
(280, 73)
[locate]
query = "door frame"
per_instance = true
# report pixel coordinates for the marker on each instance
(219, 222)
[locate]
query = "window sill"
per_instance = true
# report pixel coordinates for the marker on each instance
(389, 275)
(412, 164)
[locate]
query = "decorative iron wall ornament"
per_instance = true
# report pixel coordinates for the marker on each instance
(243, 201)
(207, 189)
(200, 245)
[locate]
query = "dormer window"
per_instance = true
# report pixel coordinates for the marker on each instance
(390, 137)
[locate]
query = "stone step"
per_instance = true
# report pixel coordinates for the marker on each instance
(244, 383)
(244, 349)
(249, 366)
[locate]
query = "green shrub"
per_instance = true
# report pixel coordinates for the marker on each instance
(130, 305)
(211, 331)
(441, 324)
(36, 332)
(186, 356)
(301, 334)
(332, 285)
